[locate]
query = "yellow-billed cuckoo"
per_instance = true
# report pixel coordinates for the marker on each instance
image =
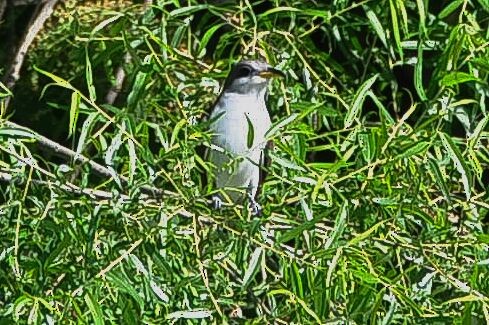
(239, 122)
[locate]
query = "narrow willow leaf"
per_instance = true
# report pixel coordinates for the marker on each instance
(301, 302)
(176, 131)
(286, 163)
(417, 148)
(386, 116)
(418, 74)
(279, 9)
(7, 91)
(307, 210)
(422, 16)
(139, 265)
(114, 146)
(395, 28)
(253, 266)
(474, 161)
(131, 149)
(190, 314)
(273, 131)
(451, 7)
(364, 235)
(135, 94)
(296, 279)
(59, 81)
(16, 133)
(250, 137)
(400, 4)
(205, 39)
(298, 230)
(86, 127)
(187, 10)
(339, 226)
(74, 109)
(439, 178)
(458, 161)
(159, 292)
(375, 22)
(476, 135)
(94, 308)
(121, 283)
(105, 23)
(355, 108)
(89, 77)
(457, 77)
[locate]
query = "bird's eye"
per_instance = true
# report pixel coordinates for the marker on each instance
(243, 72)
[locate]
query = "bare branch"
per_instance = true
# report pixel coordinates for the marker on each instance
(13, 73)
(66, 153)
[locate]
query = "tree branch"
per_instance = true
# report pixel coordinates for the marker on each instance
(13, 73)
(66, 153)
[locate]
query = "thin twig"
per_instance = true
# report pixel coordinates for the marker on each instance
(120, 76)
(68, 187)
(13, 73)
(66, 153)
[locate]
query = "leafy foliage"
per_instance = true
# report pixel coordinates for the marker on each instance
(376, 201)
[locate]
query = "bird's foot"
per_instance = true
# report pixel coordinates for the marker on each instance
(216, 202)
(254, 206)
(255, 209)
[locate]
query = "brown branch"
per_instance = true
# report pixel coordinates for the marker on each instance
(120, 76)
(68, 187)
(66, 153)
(3, 6)
(13, 73)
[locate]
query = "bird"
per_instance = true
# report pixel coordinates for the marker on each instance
(239, 121)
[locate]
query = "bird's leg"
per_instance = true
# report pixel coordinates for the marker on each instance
(216, 202)
(254, 206)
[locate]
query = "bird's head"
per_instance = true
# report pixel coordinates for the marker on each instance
(250, 77)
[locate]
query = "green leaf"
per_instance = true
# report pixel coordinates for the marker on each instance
(74, 110)
(339, 226)
(89, 78)
(253, 266)
(94, 308)
(59, 81)
(413, 150)
(6, 92)
(452, 6)
(190, 314)
(276, 127)
(187, 10)
(250, 138)
(121, 282)
(395, 28)
(456, 77)
(458, 161)
(418, 74)
(205, 39)
(355, 108)
(375, 22)
(422, 17)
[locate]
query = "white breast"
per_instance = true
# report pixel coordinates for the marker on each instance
(240, 119)
(239, 130)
